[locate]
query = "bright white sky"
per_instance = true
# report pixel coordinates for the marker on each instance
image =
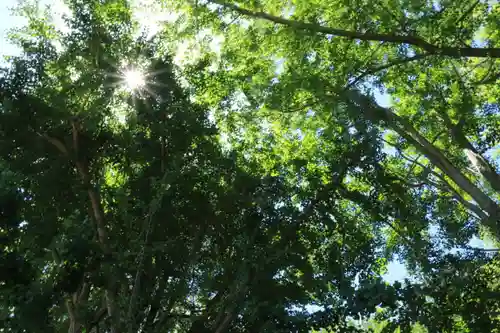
(7, 21)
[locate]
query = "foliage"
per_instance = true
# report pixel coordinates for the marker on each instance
(303, 76)
(257, 179)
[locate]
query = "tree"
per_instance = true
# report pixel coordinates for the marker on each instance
(305, 72)
(122, 208)
(120, 212)
(288, 71)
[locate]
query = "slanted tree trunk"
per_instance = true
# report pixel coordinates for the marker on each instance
(384, 116)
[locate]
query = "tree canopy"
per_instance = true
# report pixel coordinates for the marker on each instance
(251, 166)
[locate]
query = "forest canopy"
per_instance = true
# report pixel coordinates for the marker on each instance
(251, 166)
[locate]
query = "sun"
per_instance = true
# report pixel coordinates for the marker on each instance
(134, 79)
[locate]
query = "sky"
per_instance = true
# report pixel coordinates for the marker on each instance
(7, 21)
(146, 13)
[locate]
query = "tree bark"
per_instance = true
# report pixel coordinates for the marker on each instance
(481, 164)
(102, 233)
(477, 160)
(484, 167)
(379, 115)
(74, 325)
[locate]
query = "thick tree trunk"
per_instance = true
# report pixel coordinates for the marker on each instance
(74, 325)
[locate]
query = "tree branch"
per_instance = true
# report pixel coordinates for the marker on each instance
(97, 318)
(386, 66)
(360, 199)
(444, 185)
(454, 52)
(98, 214)
(433, 141)
(483, 166)
(467, 12)
(55, 142)
(141, 257)
(480, 249)
(487, 79)
(84, 293)
(73, 324)
(385, 116)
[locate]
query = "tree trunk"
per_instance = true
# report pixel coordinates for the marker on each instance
(480, 163)
(380, 115)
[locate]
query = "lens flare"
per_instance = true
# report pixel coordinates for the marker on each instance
(134, 79)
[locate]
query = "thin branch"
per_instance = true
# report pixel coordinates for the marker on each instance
(141, 257)
(332, 31)
(237, 17)
(444, 185)
(374, 52)
(466, 13)
(360, 199)
(454, 52)
(386, 66)
(488, 71)
(488, 80)
(479, 64)
(397, 19)
(467, 204)
(300, 108)
(480, 249)
(416, 185)
(416, 162)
